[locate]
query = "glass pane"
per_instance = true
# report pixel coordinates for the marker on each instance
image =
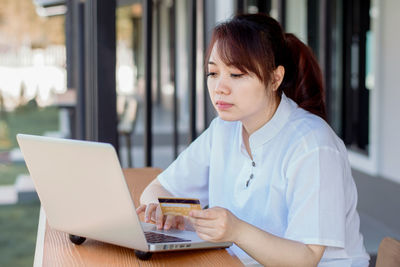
(130, 84)
(130, 79)
(32, 71)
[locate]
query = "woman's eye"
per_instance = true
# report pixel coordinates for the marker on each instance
(236, 75)
(211, 74)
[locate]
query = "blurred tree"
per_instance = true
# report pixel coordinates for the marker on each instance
(20, 24)
(22, 94)
(5, 142)
(3, 114)
(124, 25)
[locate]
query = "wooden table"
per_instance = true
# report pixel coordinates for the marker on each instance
(53, 248)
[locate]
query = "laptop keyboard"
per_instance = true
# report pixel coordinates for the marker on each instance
(161, 238)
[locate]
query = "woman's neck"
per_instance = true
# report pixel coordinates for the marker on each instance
(252, 124)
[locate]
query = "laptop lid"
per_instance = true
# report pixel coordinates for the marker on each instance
(83, 191)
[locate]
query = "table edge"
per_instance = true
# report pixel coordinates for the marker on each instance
(39, 250)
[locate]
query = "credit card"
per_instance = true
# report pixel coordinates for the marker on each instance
(178, 206)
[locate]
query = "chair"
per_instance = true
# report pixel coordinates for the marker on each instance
(127, 123)
(388, 253)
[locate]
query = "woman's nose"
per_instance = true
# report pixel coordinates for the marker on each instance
(222, 87)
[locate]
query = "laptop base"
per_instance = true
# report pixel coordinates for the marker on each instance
(143, 255)
(77, 240)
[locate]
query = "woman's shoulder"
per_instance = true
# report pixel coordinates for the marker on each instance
(312, 131)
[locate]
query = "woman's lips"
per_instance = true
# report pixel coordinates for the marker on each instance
(223, 105)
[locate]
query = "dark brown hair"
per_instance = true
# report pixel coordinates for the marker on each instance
(256, 43)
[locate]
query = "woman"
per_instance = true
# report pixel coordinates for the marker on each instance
(274, 174)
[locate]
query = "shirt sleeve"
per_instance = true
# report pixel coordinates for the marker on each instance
(316, 198)
(188, 175)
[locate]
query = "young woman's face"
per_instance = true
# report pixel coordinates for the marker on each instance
(237, 96)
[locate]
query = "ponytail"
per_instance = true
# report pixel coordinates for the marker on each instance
(303, 77)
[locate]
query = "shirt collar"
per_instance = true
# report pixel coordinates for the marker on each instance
(274, 125)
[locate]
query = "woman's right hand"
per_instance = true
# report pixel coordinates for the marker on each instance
(153, 213)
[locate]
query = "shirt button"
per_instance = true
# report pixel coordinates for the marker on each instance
(251, 176)
(253, 163)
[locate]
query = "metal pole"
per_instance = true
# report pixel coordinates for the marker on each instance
(205, 44)
(173, 77)
(240, 6)
(282, 13)
(147, 31)
(69, 45)
(158, 50)
(192, 71)
(80, 109)
(100, 61)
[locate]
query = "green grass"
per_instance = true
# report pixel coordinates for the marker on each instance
(18, 229)
(31, 120)
(9, 172)
(28, 119)
(18, 223)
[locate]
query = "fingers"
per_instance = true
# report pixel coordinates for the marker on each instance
(210, 232)
(169, 221)
(205, 232)
(180, 223)
(141, 209)
(202, 219)
(205, 235)
(197, 223)
(177, 222)
(159, 218)
(207, 214)
(153, 212)
(149, 212)
(197, 214)
(214, 224)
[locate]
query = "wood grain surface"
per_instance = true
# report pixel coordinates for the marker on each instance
(59, 251)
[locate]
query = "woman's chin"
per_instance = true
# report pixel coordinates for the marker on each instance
(226, 117)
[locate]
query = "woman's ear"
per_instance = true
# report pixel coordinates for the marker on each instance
(279, 73)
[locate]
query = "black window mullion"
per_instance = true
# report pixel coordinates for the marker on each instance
(100, 62)
(173, 77)
(363, 92)
(148, 41)
(241, 6)
(192, 70)
(347, 134)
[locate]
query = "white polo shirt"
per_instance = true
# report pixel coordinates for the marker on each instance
(298, 186)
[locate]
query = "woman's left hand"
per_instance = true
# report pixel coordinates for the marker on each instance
(215, 224)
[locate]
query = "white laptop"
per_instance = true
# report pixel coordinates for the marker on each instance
(83, 191)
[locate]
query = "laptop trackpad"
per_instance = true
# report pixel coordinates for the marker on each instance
(190, 235)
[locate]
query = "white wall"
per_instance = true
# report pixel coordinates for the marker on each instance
(224, 10)
(389, 90)
(296, 18)
(182, 61)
